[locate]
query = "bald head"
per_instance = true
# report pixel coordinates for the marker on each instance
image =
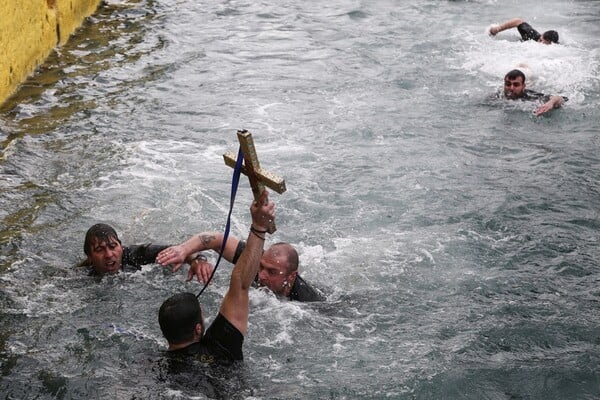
(287, 251)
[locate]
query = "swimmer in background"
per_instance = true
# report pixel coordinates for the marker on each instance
(514, 89)
(527, 32)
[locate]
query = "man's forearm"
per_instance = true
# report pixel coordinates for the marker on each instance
(247, 265)
(511, 23)
(557, 101)
(211, 241)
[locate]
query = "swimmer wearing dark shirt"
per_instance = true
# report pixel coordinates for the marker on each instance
(514, 89)
(180, 316)
(526, 31)
(278, 265)
(220, 345)
(106, 255)
(300, 289)
(532, 95)
(207, 366)
(135, 256)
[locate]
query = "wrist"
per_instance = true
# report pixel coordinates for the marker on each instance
(258, 229)
(189, 249)
(198, 257)
(258, 232)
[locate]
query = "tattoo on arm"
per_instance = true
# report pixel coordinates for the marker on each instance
(206, 239)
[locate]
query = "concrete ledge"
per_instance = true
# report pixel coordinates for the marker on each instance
(30, 30)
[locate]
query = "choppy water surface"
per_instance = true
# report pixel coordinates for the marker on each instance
(455, 236)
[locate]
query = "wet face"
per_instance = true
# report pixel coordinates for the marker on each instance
(545, 41)
(106, 255)
(273, 272)
(514, 88)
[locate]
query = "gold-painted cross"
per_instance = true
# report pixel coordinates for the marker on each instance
(259, 178)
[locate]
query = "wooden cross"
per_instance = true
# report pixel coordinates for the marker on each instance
(259, 178)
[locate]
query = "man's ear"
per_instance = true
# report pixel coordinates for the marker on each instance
(198, 330)
(292, 276)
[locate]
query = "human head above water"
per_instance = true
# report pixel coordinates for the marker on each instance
(103, 249)
(514, 84)
(279, 268)
(180, 319)
(514, 74)
(549, 37)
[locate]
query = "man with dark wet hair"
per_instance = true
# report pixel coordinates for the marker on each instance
(527, 32)
(106, 255)
(278, 264)
(514, 89)
(180, 316)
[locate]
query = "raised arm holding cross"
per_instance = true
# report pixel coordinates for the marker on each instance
(278, 266)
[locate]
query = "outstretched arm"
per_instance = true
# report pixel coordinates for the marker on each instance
(511, 23)
(552, 103)
(235, 305)
(186, 251)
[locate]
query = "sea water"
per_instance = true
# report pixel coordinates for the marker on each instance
(454, 234)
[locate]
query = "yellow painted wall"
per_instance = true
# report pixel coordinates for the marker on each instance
(71, 14)
(30, 30)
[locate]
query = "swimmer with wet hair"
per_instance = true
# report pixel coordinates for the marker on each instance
(106, 255)
(527, 32)
(514, 89)
(180, 317)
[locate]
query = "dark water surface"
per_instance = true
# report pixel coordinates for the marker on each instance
(456, 236)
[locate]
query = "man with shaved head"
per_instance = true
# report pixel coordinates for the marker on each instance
(278, 269)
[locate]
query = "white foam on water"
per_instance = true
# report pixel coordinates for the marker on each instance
(41, 296)
(570, 69)
(273, 321)
(395, 259)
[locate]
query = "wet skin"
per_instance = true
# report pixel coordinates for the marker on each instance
(106, 255)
